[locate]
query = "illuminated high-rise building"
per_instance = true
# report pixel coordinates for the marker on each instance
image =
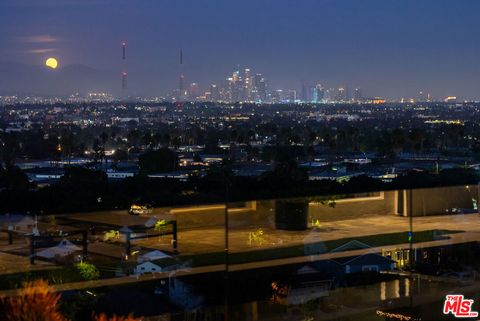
(357, 95)
(260, 88)
(256, 80)
(235, 87)
(292, 95)
(241, 87)
(277, 96)
(341, 94)
(318, 94)
(193, 91)
(313, 95)
(330, 95)
(214, 93)
(247, 85)
(421, 96)
(304, 91)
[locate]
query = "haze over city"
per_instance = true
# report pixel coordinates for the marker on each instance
(389, 49)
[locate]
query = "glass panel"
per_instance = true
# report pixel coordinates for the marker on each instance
(344, 257)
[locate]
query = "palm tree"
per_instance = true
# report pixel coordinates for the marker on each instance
(98, 151)
(104, 139)
(67, 143)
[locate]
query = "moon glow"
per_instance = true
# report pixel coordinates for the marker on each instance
(51, 63)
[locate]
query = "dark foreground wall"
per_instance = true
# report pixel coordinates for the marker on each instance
(442, 200)
(258, 214)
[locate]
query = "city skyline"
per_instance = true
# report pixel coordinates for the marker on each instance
(235, 87)
(329, 42)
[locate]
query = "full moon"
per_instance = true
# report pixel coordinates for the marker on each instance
(51, 63)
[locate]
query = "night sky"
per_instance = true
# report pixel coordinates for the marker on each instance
(390, 48)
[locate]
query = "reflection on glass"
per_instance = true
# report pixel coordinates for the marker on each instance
(390, 254)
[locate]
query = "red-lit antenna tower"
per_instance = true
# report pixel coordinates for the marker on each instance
(124, 72)
(181, 83)
(181, 80)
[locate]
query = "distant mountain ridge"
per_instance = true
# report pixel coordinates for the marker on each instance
(22, 79)
(27, 79)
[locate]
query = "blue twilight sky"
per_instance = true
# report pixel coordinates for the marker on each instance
(391, 48)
